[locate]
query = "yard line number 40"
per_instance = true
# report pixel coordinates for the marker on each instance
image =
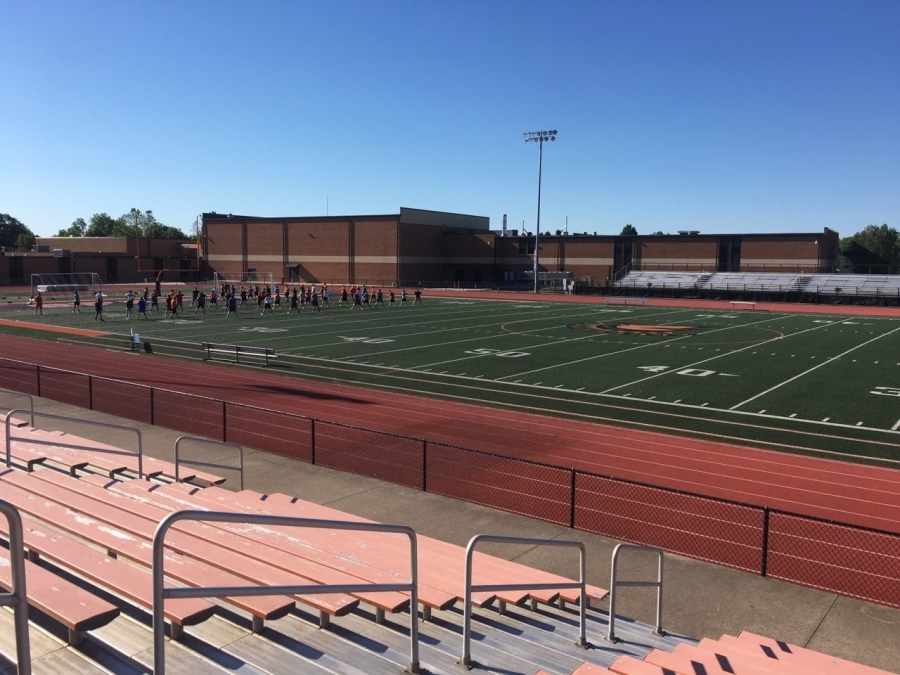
(690, 372)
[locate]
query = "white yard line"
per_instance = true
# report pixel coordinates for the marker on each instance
(712, 358)
(807, 372)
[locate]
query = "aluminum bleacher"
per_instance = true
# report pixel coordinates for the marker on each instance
(864, 285)
(92, 567)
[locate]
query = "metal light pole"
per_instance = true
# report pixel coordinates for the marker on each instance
(538, 137)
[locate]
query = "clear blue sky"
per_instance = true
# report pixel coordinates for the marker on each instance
(714, 115)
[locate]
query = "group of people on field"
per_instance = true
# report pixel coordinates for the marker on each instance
(359, 296)
(267, 299)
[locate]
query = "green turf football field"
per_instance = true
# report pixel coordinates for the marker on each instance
(797, 382)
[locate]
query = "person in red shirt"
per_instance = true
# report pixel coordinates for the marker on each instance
(39, 304)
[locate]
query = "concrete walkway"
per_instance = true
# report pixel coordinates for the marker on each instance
(700, 600)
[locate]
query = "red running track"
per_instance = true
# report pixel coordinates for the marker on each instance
(823, 488)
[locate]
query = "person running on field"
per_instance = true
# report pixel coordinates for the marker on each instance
(343, 300)
(391, 302)
(194, 295)
(129, 304)
(243, 296)
(267, 304)
(365, 300)
(142, 307)
(324, 295)
(357, 298)
(154, 301)
(315, 302)
(201, 303)
(308, 295)
(231, 304)
(295, 302)
(277, 298)
(39, 304)
(403, 298)
(76, 303)
(418, 297)
(379, 298)
(98, 306)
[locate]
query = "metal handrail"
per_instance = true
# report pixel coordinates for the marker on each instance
(212, 465)
(17, 598)
(466, 660)
(160, 592)
(28, 396)
(63, 444)
(615, 582)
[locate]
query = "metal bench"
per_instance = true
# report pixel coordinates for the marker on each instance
(236, 351)
(742, 304)
(625, 300)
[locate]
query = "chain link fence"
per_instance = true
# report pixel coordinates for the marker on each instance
(388, 457)
(835, 557)
(699, 527)
(66, 387)
(122, 399)
(271, 431)
(195, 415)
(530, 489)
(843, 559)
(21, 377)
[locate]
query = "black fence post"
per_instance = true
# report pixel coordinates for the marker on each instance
(152, 420)
(312, 439)
(765, 542)
(572, 502)
(224, 421)
(424, 465)
(37, 369)
(90, 393)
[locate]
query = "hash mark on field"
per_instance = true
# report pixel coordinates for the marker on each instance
(536, 384)
(557, 386)
(825, 419)
(896, 426)
(517, 381)
(651, 398)
(792, 415)
(678, 401)
(626, 395)
(761, 411)
(859, 424)
(703, 405)
(582, 389)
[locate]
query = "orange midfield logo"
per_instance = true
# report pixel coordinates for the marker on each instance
(630, 328)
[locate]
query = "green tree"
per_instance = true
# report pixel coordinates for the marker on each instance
(149, 226)
(25, 242)
(876, 244)
(76, 229)
(10, 229)
(629, 231)
(104, 225)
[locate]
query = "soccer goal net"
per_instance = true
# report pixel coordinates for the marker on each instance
(263, 279)
(65, 283)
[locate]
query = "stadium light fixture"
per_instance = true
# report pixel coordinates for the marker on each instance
(538, 137)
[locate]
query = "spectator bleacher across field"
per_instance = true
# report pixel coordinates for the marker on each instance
(87, 530)
(867, 285)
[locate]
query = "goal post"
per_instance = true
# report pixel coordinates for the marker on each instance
(261, 278)
(65, 283)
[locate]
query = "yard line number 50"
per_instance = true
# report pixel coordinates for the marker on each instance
(484, 351)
